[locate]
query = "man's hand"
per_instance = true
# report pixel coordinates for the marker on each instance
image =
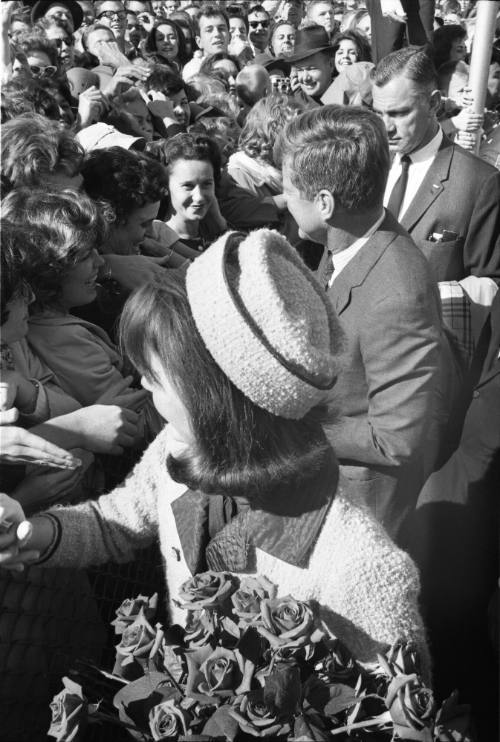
(126, 76)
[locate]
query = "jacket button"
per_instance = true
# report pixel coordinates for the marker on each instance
(475, 394)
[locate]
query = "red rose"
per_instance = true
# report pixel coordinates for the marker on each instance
(222, 671)
(207, 590)
(411, 705)
(168, 719)
(69, 712)
(286, 623)
(247, 599)
(255, 718)
(129, 610)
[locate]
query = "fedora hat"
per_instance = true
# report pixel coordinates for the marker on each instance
(42, 6)
(309, 41)
(270, 63)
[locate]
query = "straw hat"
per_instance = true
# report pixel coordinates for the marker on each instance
(266, 321)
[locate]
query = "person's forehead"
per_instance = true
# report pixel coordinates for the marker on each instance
(57, 8)
(284, 29)
(166, 28)
(211, 21)
(397, 89)
(258, 15)
(111, 5)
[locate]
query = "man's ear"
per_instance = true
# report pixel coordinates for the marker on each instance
(198, 39)
(435, 100)
(325, 204)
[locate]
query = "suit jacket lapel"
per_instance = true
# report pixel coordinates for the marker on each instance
(431, 186)
(360, 266)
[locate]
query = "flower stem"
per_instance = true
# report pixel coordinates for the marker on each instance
(382, 719)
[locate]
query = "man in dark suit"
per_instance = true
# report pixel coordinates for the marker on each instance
(446, 198)
(453, 537)
(388, 400)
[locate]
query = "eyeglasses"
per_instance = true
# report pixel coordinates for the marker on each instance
(256, 24)
(38, 71)
(110, 14)
(59, 42)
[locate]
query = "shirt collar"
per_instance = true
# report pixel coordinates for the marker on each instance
(341, 259)
(428, 152)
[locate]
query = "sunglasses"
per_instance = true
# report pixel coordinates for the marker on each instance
(59, 42)
(48, 71)
(256, 24)
(110, 14)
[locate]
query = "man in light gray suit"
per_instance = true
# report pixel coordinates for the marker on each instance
(392, 398)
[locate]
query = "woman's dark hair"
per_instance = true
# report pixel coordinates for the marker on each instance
(442, 40)
(66, 226)
(164, 79)
(358, 39)
(240, 449)
(23, 95)
(150, 44)
(33, 147)
(16, 243)
(121, 181)
(235, 11)
(36, 42)
(188, 147)
(207, 66)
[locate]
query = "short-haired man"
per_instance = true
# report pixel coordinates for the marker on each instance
(312, 61)
(446, 198)
(321, 13)
(387, 399)
(112, 13)
(212, 36)
(259, 30)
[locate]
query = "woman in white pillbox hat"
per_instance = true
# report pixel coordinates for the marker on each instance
(240, 353)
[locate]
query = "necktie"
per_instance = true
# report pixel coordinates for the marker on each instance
(328, 271)
(398, 192)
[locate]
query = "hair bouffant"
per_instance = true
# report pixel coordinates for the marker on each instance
(264, 123)
(65, 226)
(34, 147)
(121, 181)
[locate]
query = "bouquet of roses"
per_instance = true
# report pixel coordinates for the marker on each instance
(250, 664)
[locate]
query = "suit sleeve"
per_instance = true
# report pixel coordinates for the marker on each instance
(482, 241)
(400, 347)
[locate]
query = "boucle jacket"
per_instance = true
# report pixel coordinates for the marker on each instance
(367, 588)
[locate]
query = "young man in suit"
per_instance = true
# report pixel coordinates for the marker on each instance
(389, 401)
(446, 198)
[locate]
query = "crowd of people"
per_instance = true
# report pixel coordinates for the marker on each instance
(250, 254)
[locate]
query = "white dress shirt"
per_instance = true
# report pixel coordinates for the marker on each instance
(342, 258)
(421, 160)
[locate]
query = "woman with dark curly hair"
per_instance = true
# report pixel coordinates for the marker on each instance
(193, 167)
(166, 40)
(222, 65)
(69, 233)
(350, 47)
(36, 151)
(449, 45)
(128, 187)
(252, 166)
